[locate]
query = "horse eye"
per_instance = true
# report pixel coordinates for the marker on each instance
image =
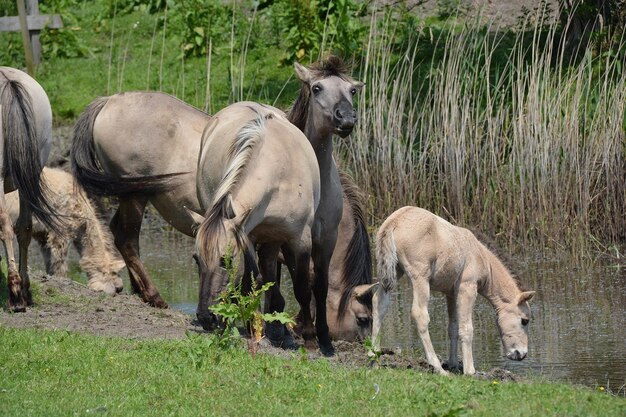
(316, 89)
(363, 321)
(525, 322)
(353, 91)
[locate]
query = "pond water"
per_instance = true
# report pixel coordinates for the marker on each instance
(577, 331)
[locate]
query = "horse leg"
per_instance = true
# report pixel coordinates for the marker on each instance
(126, 225)
(465, 307)
(276, 332)
(419, 311)
(321, 261)
(16, 301)
(24, 232)
(57, 248)
(298, 261)
(380, 304)
(453, 333)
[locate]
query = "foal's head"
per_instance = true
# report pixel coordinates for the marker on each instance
(326, 96)
(513, 319)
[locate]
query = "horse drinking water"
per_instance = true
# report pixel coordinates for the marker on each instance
(436, 255)
(25, 140)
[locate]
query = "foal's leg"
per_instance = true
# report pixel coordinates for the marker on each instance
(453, 333)
(16, 299)
(380, 304)
(126, 225)
(24, 232)
(419, 274)
(465, 306)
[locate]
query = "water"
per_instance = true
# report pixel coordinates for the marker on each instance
(577, 331)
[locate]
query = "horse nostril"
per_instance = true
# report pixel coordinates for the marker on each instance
(338, 115)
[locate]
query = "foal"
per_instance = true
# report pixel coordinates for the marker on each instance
(436, 255)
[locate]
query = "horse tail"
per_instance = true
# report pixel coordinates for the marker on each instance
(357, 267)
(387, 259)
(21, 147)
(87, 169)
(221, 225)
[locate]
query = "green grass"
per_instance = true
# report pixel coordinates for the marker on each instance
(60, 373)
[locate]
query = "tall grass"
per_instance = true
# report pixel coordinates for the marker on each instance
(528, 148)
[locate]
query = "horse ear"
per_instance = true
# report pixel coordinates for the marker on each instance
(360, 291)
(525, 297)
(197, 218)
(302, 72)
(118, 265)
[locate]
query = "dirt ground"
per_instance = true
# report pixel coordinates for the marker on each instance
(63, 304)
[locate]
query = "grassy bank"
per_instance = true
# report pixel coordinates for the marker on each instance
(61, 373)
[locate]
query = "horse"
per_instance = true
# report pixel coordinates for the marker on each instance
(25, 141)
(350, 287)
(259, 181)
(83, 227)
(439, 256)
(140, 147)
(324, 107)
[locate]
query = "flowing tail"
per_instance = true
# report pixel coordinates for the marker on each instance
(22, 153)
(387, 259)
(88, 171)
(221, 226)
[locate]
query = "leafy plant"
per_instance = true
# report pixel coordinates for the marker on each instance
(64, 42)
(236, 308)
(314, 25)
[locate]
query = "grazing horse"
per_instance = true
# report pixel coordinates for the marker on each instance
(259, 181)
(438, 256)
(25, 140)
(82, 227)
(135, 146)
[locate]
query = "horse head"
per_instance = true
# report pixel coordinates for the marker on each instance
(329, 93)
(513, 319)
(356, 323)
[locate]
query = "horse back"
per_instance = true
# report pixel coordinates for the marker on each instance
(279, 177)
(148, 133)
(450, 254)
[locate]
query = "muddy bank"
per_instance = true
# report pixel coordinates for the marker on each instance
(63, 304)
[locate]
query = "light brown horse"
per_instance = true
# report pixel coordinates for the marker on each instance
(82, 227)
(260, 184)
(25, 141)
(128, 145)
(438, 256)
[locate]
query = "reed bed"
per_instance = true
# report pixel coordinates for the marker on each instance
(527, 149)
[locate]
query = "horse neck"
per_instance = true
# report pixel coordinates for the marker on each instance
(499, 286)
(96, 248)
(322, 143)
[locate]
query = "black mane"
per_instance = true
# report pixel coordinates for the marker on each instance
(357, 268)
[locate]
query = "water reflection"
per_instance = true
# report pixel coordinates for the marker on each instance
(578, 331)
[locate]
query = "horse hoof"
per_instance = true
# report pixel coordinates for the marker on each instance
(275, 333)
(288, 341)
(17, 308)
(157, 302)
(327, 350)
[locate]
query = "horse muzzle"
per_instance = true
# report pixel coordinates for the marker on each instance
(344, 120)
(516, 355)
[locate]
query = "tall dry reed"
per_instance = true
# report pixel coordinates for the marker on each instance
(525, 148)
